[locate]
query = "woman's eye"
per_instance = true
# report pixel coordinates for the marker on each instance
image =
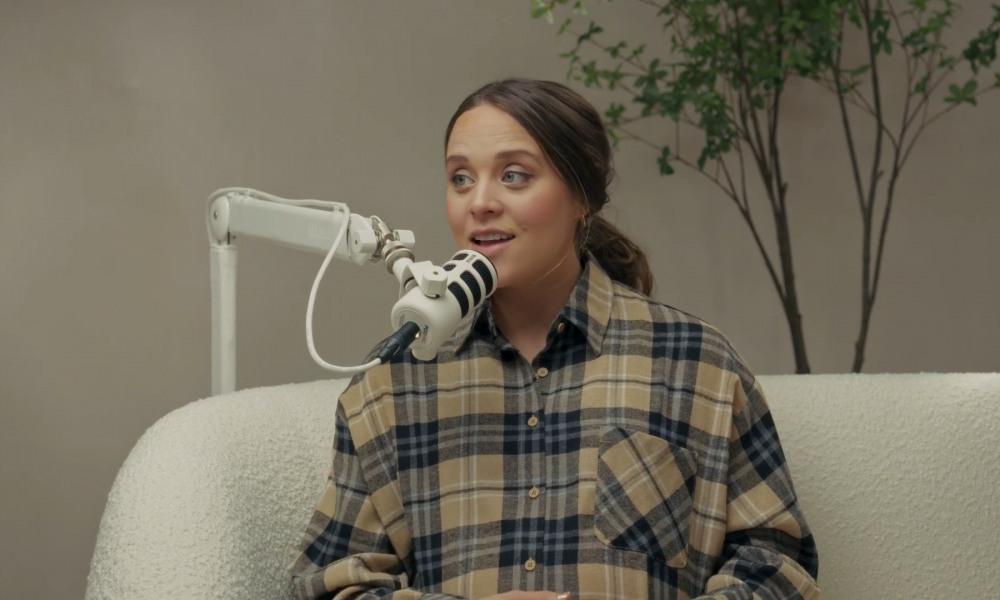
(460, 180)
(515, 177)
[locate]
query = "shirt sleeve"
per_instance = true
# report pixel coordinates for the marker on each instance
(347, 553)
(769, 552)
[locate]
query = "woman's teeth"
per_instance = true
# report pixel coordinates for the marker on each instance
(492, 238)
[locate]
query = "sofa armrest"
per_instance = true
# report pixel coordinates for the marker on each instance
(898, 476)
(213, 500)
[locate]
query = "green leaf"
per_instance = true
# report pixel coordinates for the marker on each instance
(614, 77)
(792, 22)
(982, 49)
(880, 28)
(592, 74)
(664, 162)
(615, 50)
(614, 112)
(574, 58)
(538, 8)
(854, 15)
(921, 87)
(593, 30)
(997, 83)
(614, 137)
(704, 156)
(963, 94)
(565, 26)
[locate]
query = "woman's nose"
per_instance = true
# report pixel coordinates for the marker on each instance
(485, 201)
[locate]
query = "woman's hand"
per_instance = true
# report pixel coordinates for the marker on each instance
(519, 595)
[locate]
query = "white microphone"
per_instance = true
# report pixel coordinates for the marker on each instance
(431, 310)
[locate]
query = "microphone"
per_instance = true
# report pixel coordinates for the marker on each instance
(430, 320)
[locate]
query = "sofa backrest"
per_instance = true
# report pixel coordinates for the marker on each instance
(898, 476)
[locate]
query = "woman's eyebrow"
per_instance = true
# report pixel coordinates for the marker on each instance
(503, 155)
(507, 154)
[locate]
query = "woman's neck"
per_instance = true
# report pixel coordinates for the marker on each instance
(525, 313)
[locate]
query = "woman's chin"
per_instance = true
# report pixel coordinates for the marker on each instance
(509, 274)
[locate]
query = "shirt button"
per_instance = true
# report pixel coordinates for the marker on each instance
(533, 493)
(529, 565)
(532, 421)
(560, 327)
(543, 372)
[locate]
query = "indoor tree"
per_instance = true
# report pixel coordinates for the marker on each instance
(728, 67)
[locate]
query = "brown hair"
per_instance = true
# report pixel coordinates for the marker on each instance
(571, 134)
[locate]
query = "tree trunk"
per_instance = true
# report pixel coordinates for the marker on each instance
(791, 298)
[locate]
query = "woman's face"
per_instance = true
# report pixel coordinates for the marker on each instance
(506, 201)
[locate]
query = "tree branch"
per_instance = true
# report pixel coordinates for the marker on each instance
(952, 106)
(845, 119)
(879, 116)
(831, 86)
(929, 89)
(885, 226)
(732, 194)
(928, 121)
(910, 60)
(677, 157)
(748, 218)
(753, 126)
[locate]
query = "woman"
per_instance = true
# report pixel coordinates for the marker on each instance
(574, 436)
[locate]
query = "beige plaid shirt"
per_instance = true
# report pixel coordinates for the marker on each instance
(634, 458)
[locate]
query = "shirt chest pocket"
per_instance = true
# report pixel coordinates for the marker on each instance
(643, 498)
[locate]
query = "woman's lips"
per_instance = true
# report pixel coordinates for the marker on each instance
(492, 248)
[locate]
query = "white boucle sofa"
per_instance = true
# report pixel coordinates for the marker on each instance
(898, 475)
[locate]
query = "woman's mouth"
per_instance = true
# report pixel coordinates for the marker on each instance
(487, 240)
(491, 244)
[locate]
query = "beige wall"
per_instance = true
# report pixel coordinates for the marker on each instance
(118, 118)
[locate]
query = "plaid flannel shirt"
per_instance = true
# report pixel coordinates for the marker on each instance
(634, 458)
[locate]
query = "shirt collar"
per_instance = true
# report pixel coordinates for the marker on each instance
(588, 309)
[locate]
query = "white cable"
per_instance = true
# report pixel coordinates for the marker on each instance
(334, 206)
(312, 301)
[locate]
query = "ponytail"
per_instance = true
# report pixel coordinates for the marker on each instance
(617, 255)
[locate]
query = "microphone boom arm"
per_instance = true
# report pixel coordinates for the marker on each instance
(234, 212)
(299, 224)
